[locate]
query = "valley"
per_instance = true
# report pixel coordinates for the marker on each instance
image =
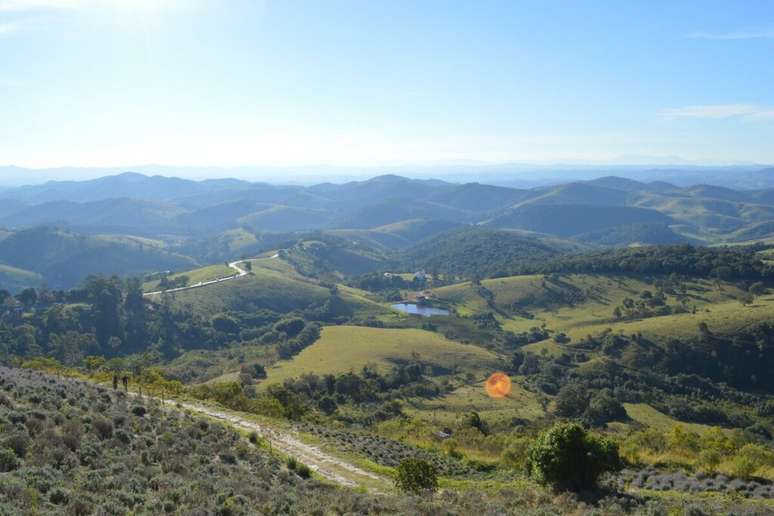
(349, 352)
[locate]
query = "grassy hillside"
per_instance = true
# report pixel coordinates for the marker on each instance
(64, 258)
(578, 193)
(582, 304)
(194, 276)
(573, 219)
(285, 218)
(448, 408)
(331, 257)
(398, 235)
(272, 285)
(634, 234)
(349, 348)
(14, 279)
(395, 210)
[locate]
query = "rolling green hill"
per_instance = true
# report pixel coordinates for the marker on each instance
(639, 234)
(63, 259)
(272, 285)
(398, 235)
(14, 279)
(349, 348)
(477, 252)
(566, 220)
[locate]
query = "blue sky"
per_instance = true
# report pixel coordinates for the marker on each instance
(245, 82)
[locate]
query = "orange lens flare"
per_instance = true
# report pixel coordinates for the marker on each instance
(498, 385)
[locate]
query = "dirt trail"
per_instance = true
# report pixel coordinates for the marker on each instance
(324, 464)
(240, 272)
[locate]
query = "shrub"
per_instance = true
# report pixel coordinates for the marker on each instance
(327, 405)
(709, 460)
(58, 496)
(139, 410)
(18, 443)
(303, 471)
(567, 457)
(102, 427)
(515, 454)
(743, 467)
(572, 400)
(416, 476)
(8, 460)
(604, 408)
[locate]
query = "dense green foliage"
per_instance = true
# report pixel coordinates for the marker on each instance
(727, 263)
(477, 253)
(643, 234)
(567, 457)
(111, 318)
(416, 476)
(567, 220)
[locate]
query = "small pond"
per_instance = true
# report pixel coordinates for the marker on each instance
(424, 311)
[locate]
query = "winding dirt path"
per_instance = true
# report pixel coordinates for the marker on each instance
(327, 466)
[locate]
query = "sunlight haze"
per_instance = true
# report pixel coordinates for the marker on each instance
(203, 82)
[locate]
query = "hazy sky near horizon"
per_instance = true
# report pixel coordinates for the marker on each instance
(248, 82)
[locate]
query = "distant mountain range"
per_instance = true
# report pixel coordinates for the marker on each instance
(157, 206)
(518, 175)
(147, 223)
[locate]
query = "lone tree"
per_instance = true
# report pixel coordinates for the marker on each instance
(568, 458)
(416, 476)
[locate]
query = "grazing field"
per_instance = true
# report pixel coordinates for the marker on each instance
(349, 348)
(198, 366)
(768, 256)
(266, 287)
(195, 276)
(446, 409)
(364, 305)
(581, 305)
(652, 418)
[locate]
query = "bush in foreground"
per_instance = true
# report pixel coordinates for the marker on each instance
(416, 476)
(568, 458)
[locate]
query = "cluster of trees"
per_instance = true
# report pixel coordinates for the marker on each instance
(744, 360)
(535, 334)
(299, 340)
(648, 305)
(594, 408)
(476, 253)
(697, 387)
(167, 282)
(109, 317)
(379, 282)
(327, 392)
(726, 263)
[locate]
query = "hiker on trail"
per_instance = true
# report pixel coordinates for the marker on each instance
(115, 381)
(125, 380)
